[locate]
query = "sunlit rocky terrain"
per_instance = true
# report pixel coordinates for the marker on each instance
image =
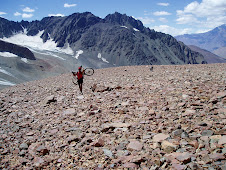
(128, 117)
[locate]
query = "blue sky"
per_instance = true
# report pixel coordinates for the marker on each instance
(173, 17)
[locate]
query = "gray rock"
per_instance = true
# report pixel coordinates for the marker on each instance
(177, 132)
(207, 133)
(23, 146)
(108, 153)
(224, 150)
(22, 153)
(184, 135)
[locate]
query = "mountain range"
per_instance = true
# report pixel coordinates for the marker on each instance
(60, 44)
(213, 41)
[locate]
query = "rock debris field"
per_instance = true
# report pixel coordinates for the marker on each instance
(128, 117)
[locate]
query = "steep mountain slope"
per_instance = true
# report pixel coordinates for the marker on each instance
(119, 39)
(210, 41)
(208, 56)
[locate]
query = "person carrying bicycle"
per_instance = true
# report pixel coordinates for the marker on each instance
(79, 75)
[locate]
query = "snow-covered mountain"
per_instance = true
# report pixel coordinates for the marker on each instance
(60, 44)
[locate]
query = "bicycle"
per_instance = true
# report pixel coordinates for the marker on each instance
(87, 72)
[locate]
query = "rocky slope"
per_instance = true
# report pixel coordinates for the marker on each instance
(170, 118)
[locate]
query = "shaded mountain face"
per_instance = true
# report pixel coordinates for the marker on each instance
(20, 51)
(210, 41)
(119, 39)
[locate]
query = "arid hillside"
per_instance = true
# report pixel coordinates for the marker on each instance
(170, 118)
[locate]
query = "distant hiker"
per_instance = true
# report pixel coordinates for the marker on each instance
(79, 75)
(151, 68)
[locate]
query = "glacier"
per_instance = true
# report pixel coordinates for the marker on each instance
(36, 43)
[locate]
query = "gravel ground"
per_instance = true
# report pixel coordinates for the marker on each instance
(128, 117)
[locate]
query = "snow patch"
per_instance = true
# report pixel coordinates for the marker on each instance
(36, 43)
(5, 72)
(48, 53)
(78, 53)
(54, 55)
(7, 54)
(6, 83)
(103, 59)
(24, 60)
(135, 29)
(124, 26)
(99, 56)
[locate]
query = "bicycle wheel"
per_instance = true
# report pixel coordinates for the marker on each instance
(89, 71)
(74, 79)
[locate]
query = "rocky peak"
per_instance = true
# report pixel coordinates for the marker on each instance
(82, 20)
(218, 31)
(8, 27)
(124, 20)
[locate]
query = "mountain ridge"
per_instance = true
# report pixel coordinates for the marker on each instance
(211, 40)
(83, 31)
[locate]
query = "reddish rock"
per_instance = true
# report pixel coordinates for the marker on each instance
(53, 131)
(168, 147)
(194, 143)
(222, 140)
(217, 156)
(99, 143)
(43, 151)
(73, 138)
(178, 167)
(24, 161)
(184, 157)
(30, 134)
(130, 165)
(135, 145)
(189, 112)
(160, 137)
(38, 162)
(32, 148)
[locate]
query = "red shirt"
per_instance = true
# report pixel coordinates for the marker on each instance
(79, 75)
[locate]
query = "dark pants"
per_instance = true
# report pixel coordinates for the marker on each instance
(80, 81)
